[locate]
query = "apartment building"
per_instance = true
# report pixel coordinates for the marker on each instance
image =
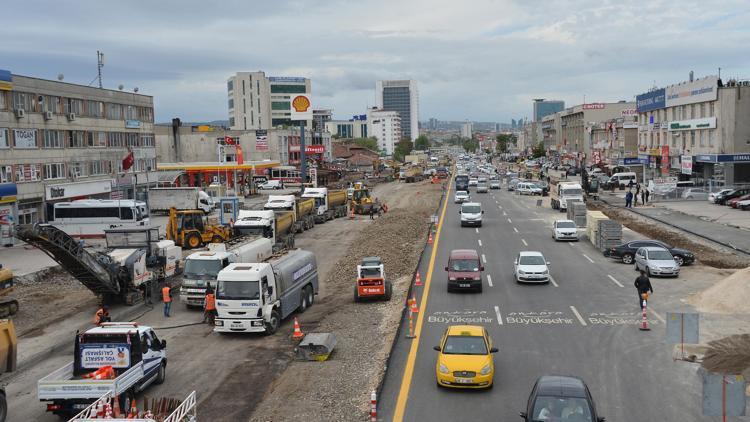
(386, 127)
(259, 102)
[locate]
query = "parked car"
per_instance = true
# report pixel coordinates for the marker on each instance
(564, 230)
(626, 251)
(723, 199)
(567, 395)
(656, 261)
(512, 184)
(733, 202)
(531, 267)
(713, 195)
(271, 184)
(744, 205)
(695, 193)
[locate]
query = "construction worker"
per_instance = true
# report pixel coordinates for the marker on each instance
(166, 296)
(642, 285)
(209, 307)
(102, 315)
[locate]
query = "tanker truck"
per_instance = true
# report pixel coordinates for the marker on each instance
(329, 204)
(256, 297)
(275, 225)
(303, 208)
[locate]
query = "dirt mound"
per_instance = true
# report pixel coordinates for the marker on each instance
(729, 355)
(728, 296)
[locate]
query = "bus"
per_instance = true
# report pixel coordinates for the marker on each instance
(89, 217)
(462, 182)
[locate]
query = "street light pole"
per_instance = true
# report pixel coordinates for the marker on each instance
(302, 164)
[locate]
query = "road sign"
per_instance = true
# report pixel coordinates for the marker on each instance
(724, 395)
(682, 328)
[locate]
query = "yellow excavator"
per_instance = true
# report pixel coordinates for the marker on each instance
(361, 201)
(8, 306)
(191, 229)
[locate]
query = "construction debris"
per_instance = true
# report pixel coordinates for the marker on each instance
(729, 355)
(316, 346)
(728, 296)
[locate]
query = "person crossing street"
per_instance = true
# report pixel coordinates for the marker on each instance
(642, 285)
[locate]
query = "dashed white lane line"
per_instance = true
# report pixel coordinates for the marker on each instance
(501, 207)
(515, 229)
(658, 316)
(587, 257)
(578, 315)
(489, 280)
(499, 316)
(615, 280)
(484, 259)
(477, 230)
(509, 220)
(504, 214)
(552, 280)
(524, 242)
(570, 244)
(480, 242)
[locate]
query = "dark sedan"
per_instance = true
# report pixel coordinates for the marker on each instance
(560, 398)
(723, 199)
(626, 251)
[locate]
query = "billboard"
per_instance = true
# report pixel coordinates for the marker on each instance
(686, 164)
(705, 89)
(651, 100)
(301, 108)
(261, 140)
(594, 106)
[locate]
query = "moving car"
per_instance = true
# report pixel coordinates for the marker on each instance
(564, 230)
(461, 197)
(695, 193)
(271, 184)
(473, 181)
(482, 187)
(464, 270)
(495, 184)
(656, 261)
(465, 358)
(531, 267)
(560, 398)
(471, 214)
(528, 188)
(626, 251)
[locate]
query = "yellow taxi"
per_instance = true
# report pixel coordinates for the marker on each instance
(465, 359)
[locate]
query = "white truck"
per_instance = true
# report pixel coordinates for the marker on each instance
(564, 193)
(276, 225)
(121, 357)
(328, 204)
(187, 198)
(254, 298)
(201, 268)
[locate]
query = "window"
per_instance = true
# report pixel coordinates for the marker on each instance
(147, 140)
(94, 108)
(4, 140)
(132, 139)
(28, 173)
(23, 101)
(6, 174)
(711, 136)
(99, 167)
(230, 85)
(692, 111)
(674, 113)
(288, 89)
(243, 87)
(702, 110)
(3, 100)
(711, 109)
(24, 138)
(28, 214)
(231, 121)
(54, 171)
(701, 141)
(244, 106)
(231, 103)
(114, 111)
(75, 139)
(96, 139)
(146, 114)
(692, 138)
(54, 139)
(78, 170)
(51, 104)
(131, 113)
(116, 139)
(73, 105)
(281, 105)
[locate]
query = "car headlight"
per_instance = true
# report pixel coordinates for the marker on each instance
(444, 369)
(545, 271)
(522, 272)
(486, 370)
(452, 278)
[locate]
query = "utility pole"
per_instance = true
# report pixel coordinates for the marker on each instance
(302, 161)
(99, 66)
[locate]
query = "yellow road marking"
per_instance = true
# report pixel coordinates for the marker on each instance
(403, 394)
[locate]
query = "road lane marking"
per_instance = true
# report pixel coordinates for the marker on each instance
(504, 214)
(615, 280)
(580, 318)
(509, 220)
(515, 229)
(480, 242)
(477, 230)
(499, 316)
(658, 316)
(570, 244)
(484, 259)
(403, 393)
(587, 257)
(489, 280)
(501, 207)
(524, 242)
(553, 281)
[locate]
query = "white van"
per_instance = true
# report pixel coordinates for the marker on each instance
(271, 184)
(471, 214)
(623, 179)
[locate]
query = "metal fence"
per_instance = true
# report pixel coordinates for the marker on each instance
(689, 193)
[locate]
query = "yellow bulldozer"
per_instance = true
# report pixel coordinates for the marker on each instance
(361, 201)
(191, 229)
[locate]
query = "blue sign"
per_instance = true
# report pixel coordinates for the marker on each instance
(634, 161)
(651, 100)
(132, 124)
(723, 158)
(6, 80)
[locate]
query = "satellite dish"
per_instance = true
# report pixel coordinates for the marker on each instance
(120, 87)
(60, 77)
(135, 89)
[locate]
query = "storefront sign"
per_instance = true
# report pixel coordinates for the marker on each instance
(723, 158)
(96, 355)
(132, 124)
(686, 164)
(633, 161)
(664, 125)
(72, 190)
(261, 140)
(630, 125)
(8, 192)
(705, 123)
(309, 149)
(629, 112)
(652, 100)
(25, 138)
(665, 160)
(692, 92)
(654, 151)
(594, 106)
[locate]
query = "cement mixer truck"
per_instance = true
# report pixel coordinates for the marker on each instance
(304, 209)
(275, 225)
(329, 204)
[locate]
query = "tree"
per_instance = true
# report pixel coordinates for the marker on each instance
(538, 150)
(403, 148)
(470, 145)
(369, 143)
(504, 140)
(422, 143)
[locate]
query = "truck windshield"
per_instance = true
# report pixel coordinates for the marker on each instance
(572, 192)
(370, 273)
(238, 290)
(472, 209)
(203, 269)
(463, 265)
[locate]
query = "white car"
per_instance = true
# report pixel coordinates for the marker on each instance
(656, 261)
(494, 184)
(712, 196)
(482, 187)
(564, 230)
(473, 181)
(461, 197)
(526, 188)
(531, 267)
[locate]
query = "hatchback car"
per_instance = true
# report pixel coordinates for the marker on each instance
(564, 230)
(461, 197)
(494, 184)
(531, 267)
(465, 358)
(560, 398)
(626, 251)
(656, 261)
(712, 196)
(482, 187)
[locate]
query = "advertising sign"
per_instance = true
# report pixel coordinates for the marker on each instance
(96, 355)
(705, 89)
(6, 80)
(261, 140)
(651, 100)
(301, 108)
(292, 79)
(705, 123)
(132, 124)
(664, 160)
(25, 138)
(629, 112)
(594, 106)
(71, 190)
(686, 164)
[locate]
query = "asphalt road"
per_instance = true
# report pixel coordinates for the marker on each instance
(585, 324)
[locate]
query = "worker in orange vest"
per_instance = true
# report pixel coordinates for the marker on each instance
(209, 307)
(102, 315)
(166, 296)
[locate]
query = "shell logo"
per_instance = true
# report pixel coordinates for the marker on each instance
(301, 103)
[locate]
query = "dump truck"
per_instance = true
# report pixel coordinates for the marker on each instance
(275, 225)
(8, 349)
(134, 260)
(304, 209)
(182, 198)
(415, 173)
(192, 229)
(8, 306)
(202, 267)
(256, 297)
(371, 282)
(564, 193)
(361, 201)
(121, 357)
(329, 204)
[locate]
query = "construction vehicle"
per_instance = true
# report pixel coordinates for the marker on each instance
(119, 357)
(202, 267)
(181, 198)
(134, 261)
(371, 282)
(329, 204)
(414, 173)
(8, 349)
(563, 194)
(304, 209)
(275, 225)
(8, 307)
(192, 229)
(361, 201)
(255, 297)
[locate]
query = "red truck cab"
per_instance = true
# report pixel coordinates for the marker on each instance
(464, 270)
(371, 282)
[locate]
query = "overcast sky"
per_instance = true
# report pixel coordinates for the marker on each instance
(473, 59)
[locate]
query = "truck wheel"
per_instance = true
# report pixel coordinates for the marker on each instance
(310, 296)
(162, 374)
(388, 290)
(193, 241)
(273, 324)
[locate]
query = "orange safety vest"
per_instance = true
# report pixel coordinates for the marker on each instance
(210, 302)
(98, 316)
(165, 295)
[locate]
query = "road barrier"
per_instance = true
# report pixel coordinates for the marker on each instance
(373, 407)
(410, 334)
(414, 307)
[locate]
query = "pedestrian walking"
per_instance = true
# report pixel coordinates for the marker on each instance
(628, 199)
(166, 296)
(630, 184)
(637, 192)
(643, 196)
(642, 285)
(372, 212)
(648, 193)
(209, 306)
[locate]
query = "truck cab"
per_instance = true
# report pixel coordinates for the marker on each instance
(567, 193)
(321, 199)
(371, 282)
(280, 202)
(256, 222)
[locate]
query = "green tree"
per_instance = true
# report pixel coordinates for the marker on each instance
(504, 141)
(422, 143)
(369, 143)
(403, 148)
(538, 150)
(470, 145)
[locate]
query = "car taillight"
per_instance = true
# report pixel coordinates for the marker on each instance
(53, 407)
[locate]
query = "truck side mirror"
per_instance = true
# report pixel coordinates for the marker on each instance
(437, 348)
(523, 415)
(446, 269)
(481, 268)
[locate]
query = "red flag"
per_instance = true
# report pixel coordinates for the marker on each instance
(128, 161)
(228, 140)
(240, 158)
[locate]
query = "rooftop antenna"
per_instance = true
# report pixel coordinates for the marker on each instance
(99, 66)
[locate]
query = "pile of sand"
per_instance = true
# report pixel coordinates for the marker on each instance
(728, 296)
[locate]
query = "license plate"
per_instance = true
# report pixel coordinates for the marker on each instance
(80, 406)
(464, 380)
(235, 325)
(464, 285)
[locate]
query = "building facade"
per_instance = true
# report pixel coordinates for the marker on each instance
(574, 137)
(258, 102)
(386, 127)
(544, 108)
(467, 129)
(401, 96)
(349, 129)
(61, 141)
(320, 117)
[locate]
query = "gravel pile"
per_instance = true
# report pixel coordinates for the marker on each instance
(339, 389)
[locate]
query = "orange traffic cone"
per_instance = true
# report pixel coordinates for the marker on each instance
(133, 411)
(644, 320)
(429, 239)
(414, 308)
(418, 280)
(297, 332)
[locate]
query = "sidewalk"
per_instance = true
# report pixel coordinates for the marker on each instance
(24, 259)
(719, 224)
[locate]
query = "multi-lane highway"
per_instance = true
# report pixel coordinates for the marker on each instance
(583, 323)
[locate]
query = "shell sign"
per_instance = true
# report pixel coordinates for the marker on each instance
(301, 108)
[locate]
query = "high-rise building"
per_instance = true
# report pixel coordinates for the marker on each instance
(259, 102)
(401, 96)
(544, 107)
(466, 130)
(320, 117)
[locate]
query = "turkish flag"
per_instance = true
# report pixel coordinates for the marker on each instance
(229, 140)
(128, 161)
(240, 158)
